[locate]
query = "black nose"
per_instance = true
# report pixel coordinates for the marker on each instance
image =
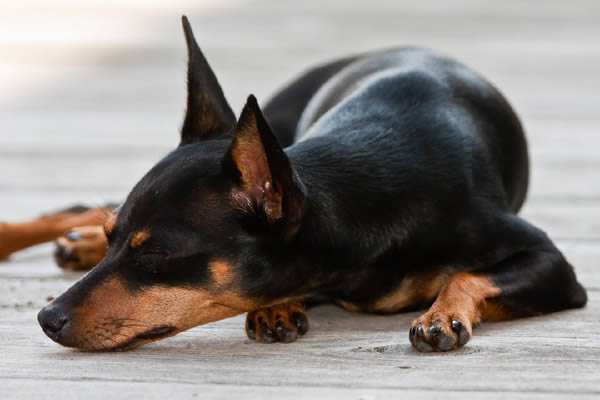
(52, 320)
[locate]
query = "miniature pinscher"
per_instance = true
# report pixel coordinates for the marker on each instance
(383, 182)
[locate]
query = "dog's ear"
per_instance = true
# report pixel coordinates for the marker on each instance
(208, 114)
(267, 182)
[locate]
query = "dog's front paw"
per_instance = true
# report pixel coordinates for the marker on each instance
(437, 331)
(81, 248)
(279, 323)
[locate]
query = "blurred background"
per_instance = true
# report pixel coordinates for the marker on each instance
(92, 92)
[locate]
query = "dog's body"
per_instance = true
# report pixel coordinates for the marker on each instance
(412, 163)
(399, 191)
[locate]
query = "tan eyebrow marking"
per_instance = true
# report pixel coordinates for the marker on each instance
(139, 237)
(109, 224)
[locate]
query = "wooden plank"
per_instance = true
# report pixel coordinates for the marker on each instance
(69, 389)
(214, 353)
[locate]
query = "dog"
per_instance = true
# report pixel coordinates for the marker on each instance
(383, 182)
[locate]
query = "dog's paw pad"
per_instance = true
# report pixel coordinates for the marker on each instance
(438, 332)
(279, 323)
(80, 248)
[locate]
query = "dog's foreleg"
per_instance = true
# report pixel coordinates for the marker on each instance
(532, 279)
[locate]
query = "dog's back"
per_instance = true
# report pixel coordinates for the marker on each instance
(426, 110)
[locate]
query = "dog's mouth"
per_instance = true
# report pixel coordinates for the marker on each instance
(155, 333)
(150, 335)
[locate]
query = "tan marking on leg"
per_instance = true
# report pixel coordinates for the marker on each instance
(464, 296)
(465, 300)
(412, 290)
(20, 235)
(346, 305)
(495, 312)
(139, 238)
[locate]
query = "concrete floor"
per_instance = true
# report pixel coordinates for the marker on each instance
(92, 96)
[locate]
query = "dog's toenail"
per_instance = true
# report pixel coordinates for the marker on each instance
(279, 327)
(73, 236)
(301, 322)
(63, 253)
(434, 330)
(420, 331)
(250, 327)
(411, 332)
(267, 334)
(456, 326)
(266, 329)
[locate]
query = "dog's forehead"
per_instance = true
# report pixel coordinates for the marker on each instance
(188, 176)
(186, 164)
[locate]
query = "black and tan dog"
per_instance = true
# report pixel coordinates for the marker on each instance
(400, 191)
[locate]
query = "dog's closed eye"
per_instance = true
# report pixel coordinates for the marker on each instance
(151, 259)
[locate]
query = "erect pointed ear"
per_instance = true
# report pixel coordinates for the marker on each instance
(264, 173)
(208, 114)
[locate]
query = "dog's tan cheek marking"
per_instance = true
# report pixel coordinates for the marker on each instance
(139, 238)
(221, 272)
(112, 314)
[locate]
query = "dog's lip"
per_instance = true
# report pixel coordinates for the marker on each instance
(155, 333)
(149, 335)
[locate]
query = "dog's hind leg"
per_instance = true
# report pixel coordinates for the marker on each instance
(81, 248)
(20, 235)
(531, 278)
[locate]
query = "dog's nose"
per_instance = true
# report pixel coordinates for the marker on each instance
(52, 320)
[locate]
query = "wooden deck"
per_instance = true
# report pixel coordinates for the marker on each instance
(92, 96)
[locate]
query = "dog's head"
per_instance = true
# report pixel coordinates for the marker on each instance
(205, 235)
